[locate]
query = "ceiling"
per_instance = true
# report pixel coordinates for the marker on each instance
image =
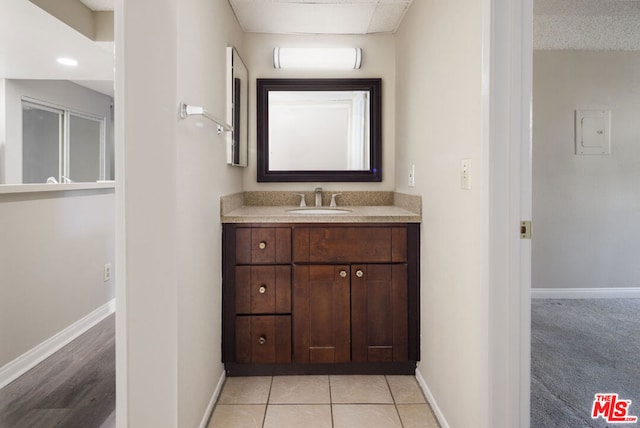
(31, 40)
(99, 5)
(320, 16)
(587, 24)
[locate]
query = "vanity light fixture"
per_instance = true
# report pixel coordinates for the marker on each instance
(318, 58)
(70, 62)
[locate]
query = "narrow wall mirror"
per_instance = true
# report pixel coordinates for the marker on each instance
(237, 108)
(319, 130)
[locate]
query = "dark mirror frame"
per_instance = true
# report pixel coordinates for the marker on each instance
(374, 86)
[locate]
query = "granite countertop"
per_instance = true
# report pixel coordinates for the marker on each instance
(356, 214)
(362, 206)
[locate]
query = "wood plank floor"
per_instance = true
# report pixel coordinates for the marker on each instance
(75, 387)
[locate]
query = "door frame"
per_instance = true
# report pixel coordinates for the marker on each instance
(507, 98)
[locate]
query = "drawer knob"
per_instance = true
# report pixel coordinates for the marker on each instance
(262, 289)
(262, 340)
(262, 245)
(359, 273)
(343, 273)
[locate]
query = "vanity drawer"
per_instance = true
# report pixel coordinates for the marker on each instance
(263, 245)
(263, 339)
(263, 289)
(350, 244)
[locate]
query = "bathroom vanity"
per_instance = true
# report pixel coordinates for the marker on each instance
(311, 294)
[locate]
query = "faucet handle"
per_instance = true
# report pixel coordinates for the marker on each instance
(333, 199)
(303, 203)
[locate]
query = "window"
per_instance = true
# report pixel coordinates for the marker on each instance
(62, 145)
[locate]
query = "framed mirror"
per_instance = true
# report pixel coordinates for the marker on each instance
(319, 130)
(237, 108)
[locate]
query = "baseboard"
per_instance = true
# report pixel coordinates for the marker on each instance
(14, 369)
(432, 401)
(212, 402)
(586, 293)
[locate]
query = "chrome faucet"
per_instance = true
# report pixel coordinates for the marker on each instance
(318, 196)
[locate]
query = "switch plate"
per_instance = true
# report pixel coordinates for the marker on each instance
(465, 174)
(107, 272)
(412, 175)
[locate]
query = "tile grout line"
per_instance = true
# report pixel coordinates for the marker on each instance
(330, 401)
(395, 404)
(266, 408)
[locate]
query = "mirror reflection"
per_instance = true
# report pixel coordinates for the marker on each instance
(319, 130)
(56, 114)
(237, 108)
(333, 122)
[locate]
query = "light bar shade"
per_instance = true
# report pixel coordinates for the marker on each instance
(317, 58)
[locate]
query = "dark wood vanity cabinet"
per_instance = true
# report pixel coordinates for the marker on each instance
(320, 298)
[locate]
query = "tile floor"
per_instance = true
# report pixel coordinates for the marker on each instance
(322, 402)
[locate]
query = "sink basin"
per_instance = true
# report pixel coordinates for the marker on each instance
(325, 211)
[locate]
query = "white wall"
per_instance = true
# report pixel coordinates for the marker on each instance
(377, 61)
(586, 208)
(438, 123)
(3, 127)
(54, 247)
(202, 176)
(168, 228)
(62, 93)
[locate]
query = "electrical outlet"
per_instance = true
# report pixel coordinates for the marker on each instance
(107, 272)
(412, 175)
(465, 174)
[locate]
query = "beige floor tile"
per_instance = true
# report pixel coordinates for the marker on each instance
(417, 416)
(298, 415)
(360, 389)
(245, 390)
(300, 390)
(365, 416)
(233, 415)
(405, 390)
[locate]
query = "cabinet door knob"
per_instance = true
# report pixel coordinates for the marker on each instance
(262, 289)
(262, 340)
(262, 245)
(343, 273)
(359, 273)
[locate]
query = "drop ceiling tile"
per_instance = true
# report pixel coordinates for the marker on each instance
(387, 17)
(309, 1)
(279, 17)
(99, 5)
(319, 16)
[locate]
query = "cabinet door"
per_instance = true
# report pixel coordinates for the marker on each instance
(321, 314)
(379, 318)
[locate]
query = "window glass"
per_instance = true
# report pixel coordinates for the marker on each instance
(61, 146)
(85, 142)
(41, 142)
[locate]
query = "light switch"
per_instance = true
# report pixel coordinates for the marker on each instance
(593, 135)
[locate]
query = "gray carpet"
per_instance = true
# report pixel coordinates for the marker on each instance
(580, 348)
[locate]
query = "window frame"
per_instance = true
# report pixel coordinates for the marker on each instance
(65, 135)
